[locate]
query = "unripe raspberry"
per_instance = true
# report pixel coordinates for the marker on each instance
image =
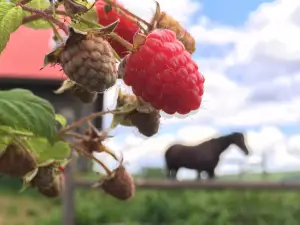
(167, 22)
(161, 20)
(147, 123)
(83, 94)
(120, 184)
(16, 162)
(48, 181)
(89, 62)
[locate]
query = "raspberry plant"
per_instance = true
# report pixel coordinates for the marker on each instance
(154, 59)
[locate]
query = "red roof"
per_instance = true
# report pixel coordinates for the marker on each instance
(24, 56)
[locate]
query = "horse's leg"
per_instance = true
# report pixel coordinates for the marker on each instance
(199, 174)
(168, 173)
(174, 173)
(211, 174)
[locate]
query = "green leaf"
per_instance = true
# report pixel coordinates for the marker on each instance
(4, 8)
(60, 150)
(10, 20)
(21, 109)
(6, 130)
(41, 23)
(61, 119)
(91, 16)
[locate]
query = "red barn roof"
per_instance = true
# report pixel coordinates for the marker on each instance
(24, 56)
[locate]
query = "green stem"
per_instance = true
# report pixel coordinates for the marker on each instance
(78, 123)
(56, 33)
(116, 37)
(87, 154)
(47, 17)
(24, 2)
(125, 11)
(113, 35)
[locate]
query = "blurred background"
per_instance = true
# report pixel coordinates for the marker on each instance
(249, 53)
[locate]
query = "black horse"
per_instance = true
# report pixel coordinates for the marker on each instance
(202, 157)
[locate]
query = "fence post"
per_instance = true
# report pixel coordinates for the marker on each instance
(68, 197)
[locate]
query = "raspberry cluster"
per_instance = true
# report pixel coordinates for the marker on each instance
(155, 60)
(160, 69)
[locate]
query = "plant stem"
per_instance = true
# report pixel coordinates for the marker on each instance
(132, 20)
(113, 35)
(82, 120)
(125, 11)
(24, 2)
(48, 11)
(55, 31)
(92, 157)
(76, 135)
(47, 16)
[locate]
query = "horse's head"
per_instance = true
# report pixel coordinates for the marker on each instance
(239, 139)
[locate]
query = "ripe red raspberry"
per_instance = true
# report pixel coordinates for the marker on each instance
(125, 29)
(163, 74)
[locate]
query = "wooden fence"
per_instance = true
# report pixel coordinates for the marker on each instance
(71, 185)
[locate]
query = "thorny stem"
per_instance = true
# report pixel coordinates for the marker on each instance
(97, 25)
(103, 147)
(46, 16)
(118, 111)
(83, 120)
(134, 20)
(75, 135)
(24, 2)
(92, 157)
(48, 13)
(28, 19)
(116, 37)
(125, 11)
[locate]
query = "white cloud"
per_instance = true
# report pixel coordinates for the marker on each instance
(269, 140)
(181, 10)
(265, 52)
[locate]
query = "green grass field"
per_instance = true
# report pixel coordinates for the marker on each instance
(30, 208)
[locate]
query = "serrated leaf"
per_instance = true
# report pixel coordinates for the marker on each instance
(4, 8)
(58, 151)
(41, 23)
(10, 22)
(21, 109)
(61, 119)
(90, 16)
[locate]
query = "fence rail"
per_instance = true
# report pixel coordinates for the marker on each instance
(207, 185)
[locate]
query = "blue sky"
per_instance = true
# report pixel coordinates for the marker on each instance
(230, 12)
(248, 52)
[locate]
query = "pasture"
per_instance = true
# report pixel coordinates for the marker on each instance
(195, 207)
